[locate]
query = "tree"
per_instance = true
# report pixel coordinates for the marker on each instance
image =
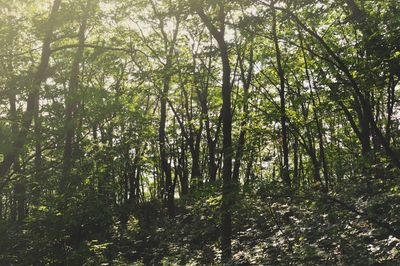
(226, 114)
(38, 78)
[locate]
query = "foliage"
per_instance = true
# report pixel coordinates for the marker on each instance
(118, 117)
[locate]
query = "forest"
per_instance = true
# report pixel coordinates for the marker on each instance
(199, 132)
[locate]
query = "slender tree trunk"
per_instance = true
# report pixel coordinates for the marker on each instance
(296, 162)
(138, 183)
(196, 165)
(20, 195)
(322, 153)
(318, 122)
(211, 143)
(316, 166)
(166, 171)
(281, 74)
(184, 180)
(133, 176)
(390, 105)
(228, 199)
(301, 170)
(365, 134)
(71, 103)
(165, 166)
(19, 191)
(38, 140)
(228, 187)
(249, 169)
(242, 134)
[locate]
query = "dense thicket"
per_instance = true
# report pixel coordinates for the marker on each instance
(243, 132)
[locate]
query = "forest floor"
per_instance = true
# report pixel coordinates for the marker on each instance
(270, 229)
(309, 228)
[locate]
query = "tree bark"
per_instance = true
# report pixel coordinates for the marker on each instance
(228, 188)
(281, 74)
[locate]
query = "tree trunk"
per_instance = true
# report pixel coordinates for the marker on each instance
(184, 180)
(296, 162)
(71, 103)
(19, 191)
(281, 74)
(242, 134)
(211, 143)
(228, 188)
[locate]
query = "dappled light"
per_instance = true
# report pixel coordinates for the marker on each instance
(199, 132)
